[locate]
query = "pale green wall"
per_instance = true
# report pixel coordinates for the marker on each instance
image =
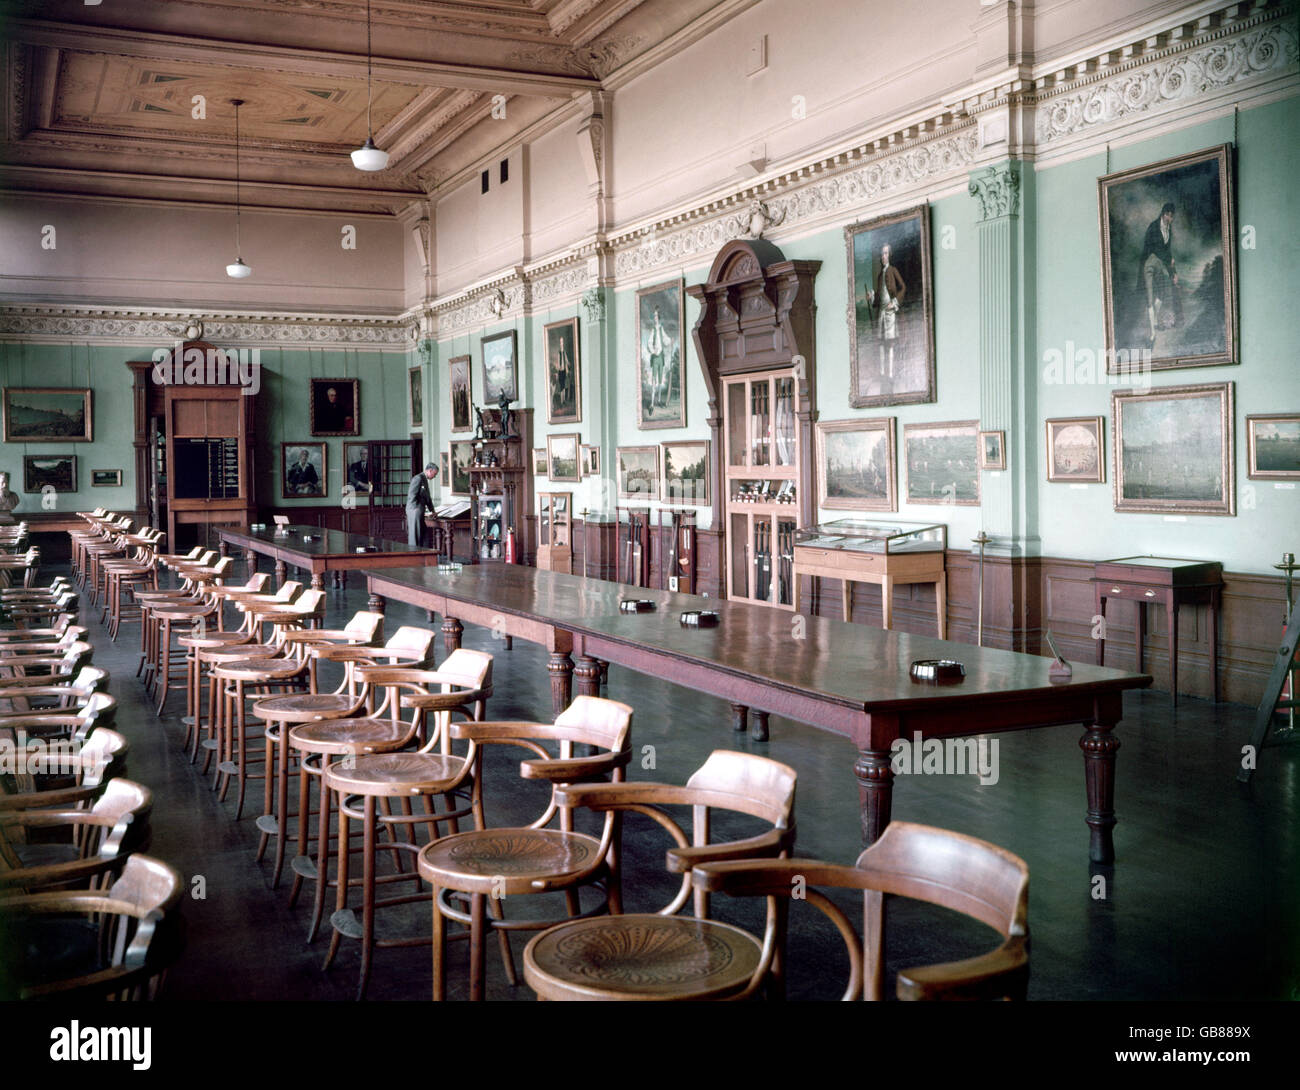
(1082, 522)
(282, 413)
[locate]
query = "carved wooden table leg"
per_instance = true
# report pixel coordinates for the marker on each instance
(739, 716)
(604, 672)
(560, 668)
(223, 549)
(588, 674)
(758, 725)
(451, 633)
(876, 791)
(318, 580)
(281, 572)
(250, 558)
(1099, 746)
(375, 603)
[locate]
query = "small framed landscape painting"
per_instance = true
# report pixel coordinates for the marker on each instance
(1173, 449)
(942, 463)
(855, 465)
(684, 472)
(1273, 441)
(47, 415)
(1074, 450)
(462, 456)
(499, 371)
(562, 457)
(638, 472)
(54, 471)
(993, 450)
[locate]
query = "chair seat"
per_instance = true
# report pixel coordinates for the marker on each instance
(333, 736)
(254, 669)
(214, 640)
(396, 774)
(641, 957)
(237, 651)
(304, 707)
(506, 861)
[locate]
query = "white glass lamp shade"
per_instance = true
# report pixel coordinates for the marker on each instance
(238, 270)
(369, 157)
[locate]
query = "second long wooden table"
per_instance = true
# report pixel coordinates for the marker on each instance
(849, 679)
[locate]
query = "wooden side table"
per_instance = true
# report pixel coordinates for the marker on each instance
(886, 570)
(1167, 581)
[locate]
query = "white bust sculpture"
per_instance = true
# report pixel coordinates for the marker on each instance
(8, 499)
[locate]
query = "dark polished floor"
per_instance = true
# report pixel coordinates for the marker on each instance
(1201, 903)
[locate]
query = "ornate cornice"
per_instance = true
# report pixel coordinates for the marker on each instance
(997, 189)
(122, 325)
(1164, 79)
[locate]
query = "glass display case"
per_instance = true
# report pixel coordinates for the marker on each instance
(871, 536)
(884, 552)
(761, 474)
(554, 531)
(490, 528)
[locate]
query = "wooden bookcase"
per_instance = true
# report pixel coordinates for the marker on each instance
(501, 494)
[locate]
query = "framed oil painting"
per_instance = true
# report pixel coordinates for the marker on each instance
(891, 310)
(302, 471)
(590, 460)
(562, 457)
(1173, 450)
(499, 368)
(1074, 450)
(1273, 443)
(540, 466)
(105, 478)
(1169, 281)
(462, 457)
(563, 380)
(462, 393)
(684, 472)
(942, 463)
(55, 471)
(855, 465)
(358, 473)
(660, 356)
(638, 472)
(415, 380)
(444, 460)
(40, 415)
(993, 450)
(335, 406)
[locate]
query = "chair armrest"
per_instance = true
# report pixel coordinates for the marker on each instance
(63, 796)
(436, 702)
(39, 681)
(49, 873)
(613, 796)
(995, 975)
(765, 845)
(766, 877)
(501, 730)
(573, 769)
(49, 818)
(62, 719)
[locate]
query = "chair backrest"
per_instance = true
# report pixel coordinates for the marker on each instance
(256, 583)
(365, 627)
(746, 782)
(595, 721)
(124, 798)
(288, 591)
(466, 667)
(414, 639)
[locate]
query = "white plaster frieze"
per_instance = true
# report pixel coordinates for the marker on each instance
(49, 324)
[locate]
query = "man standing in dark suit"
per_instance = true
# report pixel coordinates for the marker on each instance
(419, 502)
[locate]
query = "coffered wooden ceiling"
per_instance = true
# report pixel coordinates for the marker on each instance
(101, 98)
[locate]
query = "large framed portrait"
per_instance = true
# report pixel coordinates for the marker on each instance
(415, 380)
(1169, 281)
(462, 457)
(562, 457)
(40, 415)
(855, 465)
(638, 472)
(684, 472)
(302, 471)
(1173, 450)
(660, 357)
(54, 471)
(462, 392)
(358, 473)
(499, 368)
(1273, 441)
(563, 379)
(942, 462)
(1074, 450)
(336, 406)
(891, 310)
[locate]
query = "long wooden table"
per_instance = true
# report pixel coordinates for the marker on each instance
(850, 679)
(331, 551)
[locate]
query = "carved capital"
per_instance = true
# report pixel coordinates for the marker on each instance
(997, 188)
(593, 302)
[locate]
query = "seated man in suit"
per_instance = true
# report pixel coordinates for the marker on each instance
(303, 480)
(359, 472)
(419, 502)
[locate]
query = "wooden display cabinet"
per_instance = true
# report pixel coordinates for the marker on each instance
(501, 489)
(632, 561)
(555, 531)
(761, 476)
(678, 539)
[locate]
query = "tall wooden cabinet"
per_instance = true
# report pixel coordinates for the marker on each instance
(209, 461)
(762, 467)
(555, 531)
(501, 489)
